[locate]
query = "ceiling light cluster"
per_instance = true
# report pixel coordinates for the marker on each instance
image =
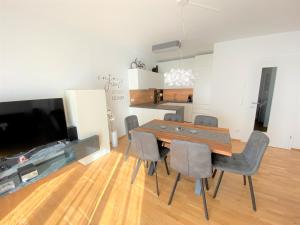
(179, 78)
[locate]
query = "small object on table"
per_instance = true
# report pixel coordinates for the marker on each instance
(178, 129)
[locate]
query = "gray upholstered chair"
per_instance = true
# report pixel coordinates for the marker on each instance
(209, 121)
(147, 149)
(245, 163)
(193, 160)
(173, 117)
(131, 122)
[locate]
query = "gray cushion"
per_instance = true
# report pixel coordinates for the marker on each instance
(191, 159)
(209, 121)
(131, 122)
(145, 145)
(173, 117)
(247, 162)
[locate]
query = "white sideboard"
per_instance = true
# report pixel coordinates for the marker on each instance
(87, 111)
(143, 79)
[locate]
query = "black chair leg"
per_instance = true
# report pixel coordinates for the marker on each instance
(127, 150)
(214, 173)
(252, 193)
(206, 184)
(166, 164)
(218, 184)
(135, 171)
(174, 189)
(204, 198)
(157, 189)
(244, 177)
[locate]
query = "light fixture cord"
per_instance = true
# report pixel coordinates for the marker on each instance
(184, 35)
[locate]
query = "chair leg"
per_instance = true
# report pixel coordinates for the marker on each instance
(244, 177)
(166, 164)
(127, 150)
(214, 173)
(135, 171)
(157, 189)
(218, 184)
(174, 189)
(206, 184)
(145, 164)
(204, 198)
(252, 193)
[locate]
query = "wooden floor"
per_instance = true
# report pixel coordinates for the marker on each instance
(101, 193)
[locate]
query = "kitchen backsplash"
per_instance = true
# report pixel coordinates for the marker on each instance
(138, 97)
(177, 95)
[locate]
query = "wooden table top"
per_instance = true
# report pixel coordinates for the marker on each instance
(167, 135)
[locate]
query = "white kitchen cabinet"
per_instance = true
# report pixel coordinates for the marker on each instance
(143, 79)
(188, 110)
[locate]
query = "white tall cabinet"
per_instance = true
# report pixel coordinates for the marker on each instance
(143, 79)
(87, 110)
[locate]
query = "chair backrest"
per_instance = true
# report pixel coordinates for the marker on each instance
(145, 145)
(209, 121)
(131, 122)
(255, 149)
(173, 117)
(191, 159)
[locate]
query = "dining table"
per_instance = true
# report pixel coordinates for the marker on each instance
(218, 139)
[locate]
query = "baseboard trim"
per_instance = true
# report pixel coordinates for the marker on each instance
(93, 157)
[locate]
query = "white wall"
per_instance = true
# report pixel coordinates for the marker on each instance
(236, 75)
(41, 58)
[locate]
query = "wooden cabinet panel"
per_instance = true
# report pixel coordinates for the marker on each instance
(177, 95)
(141, 96)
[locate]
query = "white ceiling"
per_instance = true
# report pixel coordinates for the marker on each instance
(143, 23)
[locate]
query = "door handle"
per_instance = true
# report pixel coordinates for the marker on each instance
(255, 103)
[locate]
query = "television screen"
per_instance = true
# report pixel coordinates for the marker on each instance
(28, 124)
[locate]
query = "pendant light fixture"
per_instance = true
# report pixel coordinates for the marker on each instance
(180, 77)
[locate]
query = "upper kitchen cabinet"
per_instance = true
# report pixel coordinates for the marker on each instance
(143, 79)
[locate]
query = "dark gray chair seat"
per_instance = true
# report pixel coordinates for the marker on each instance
(173, 117)
(131, 122)
(147, 148)
(203, 120)
(246, 163)
(235, 164)
(193, 160)
(163, 152)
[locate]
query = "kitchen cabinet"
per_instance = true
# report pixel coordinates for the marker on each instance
(143, 79)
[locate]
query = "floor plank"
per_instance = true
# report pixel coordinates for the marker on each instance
(101, 193)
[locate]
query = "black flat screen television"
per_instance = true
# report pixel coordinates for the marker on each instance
(25, 125)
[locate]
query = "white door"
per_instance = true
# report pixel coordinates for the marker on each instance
(282, 120)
